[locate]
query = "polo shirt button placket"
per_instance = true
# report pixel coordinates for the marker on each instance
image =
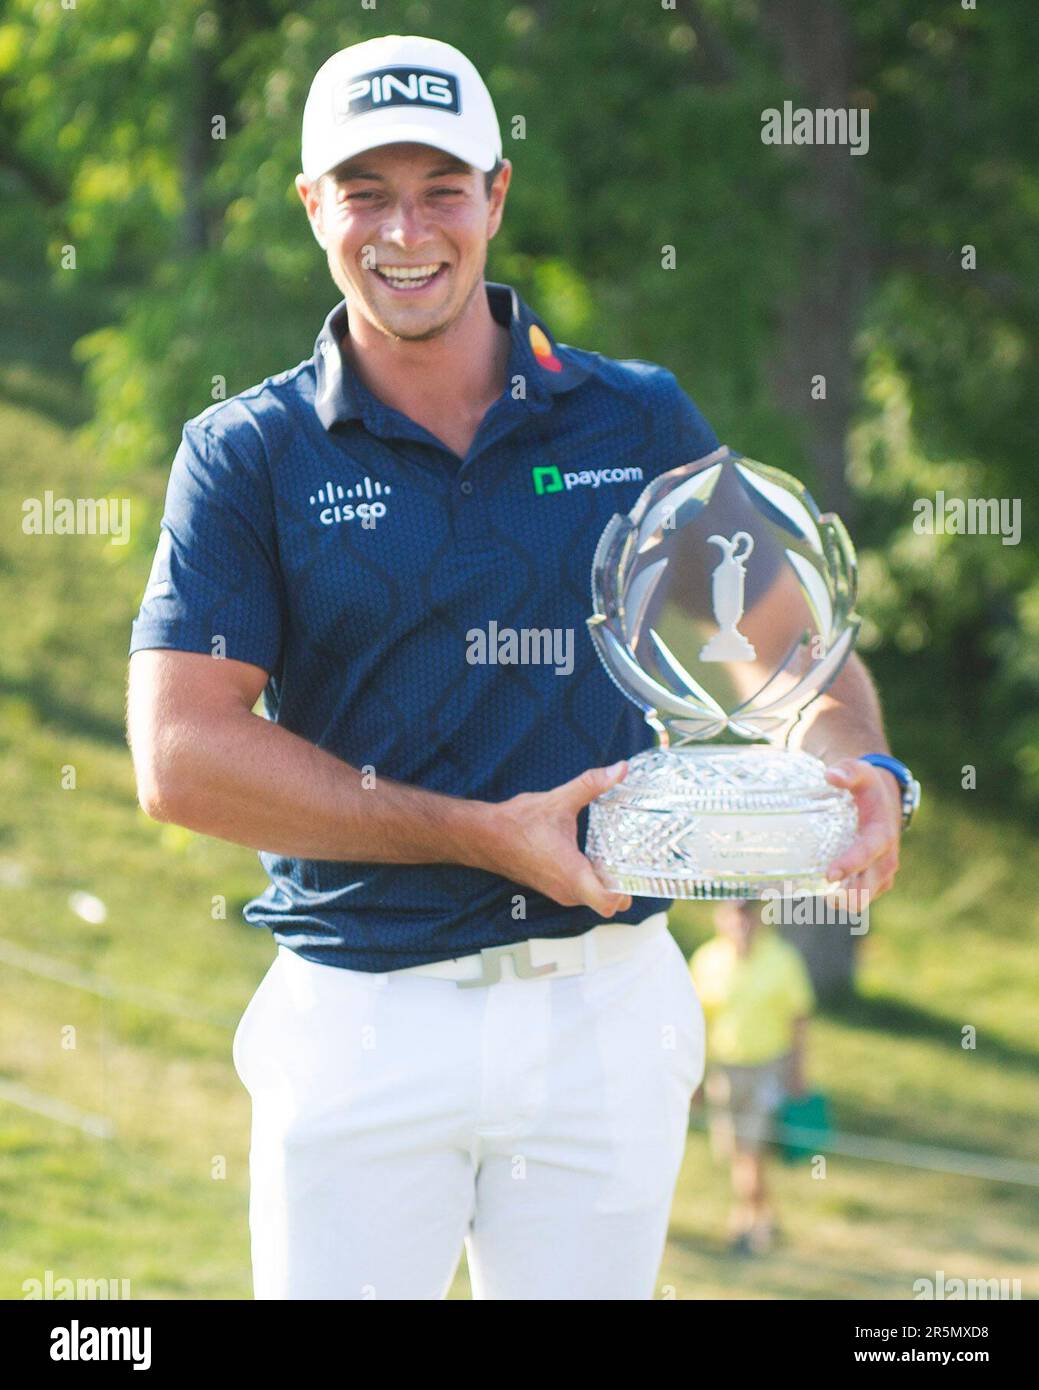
(469, 523)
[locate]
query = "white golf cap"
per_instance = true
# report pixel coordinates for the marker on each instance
(394, 89)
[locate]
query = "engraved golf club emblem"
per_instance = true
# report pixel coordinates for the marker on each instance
(727, 585)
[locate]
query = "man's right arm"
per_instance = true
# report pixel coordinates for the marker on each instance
(204, 760)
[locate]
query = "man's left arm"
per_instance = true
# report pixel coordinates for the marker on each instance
(838, 727)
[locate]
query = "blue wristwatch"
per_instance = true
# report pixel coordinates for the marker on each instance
(907, 783)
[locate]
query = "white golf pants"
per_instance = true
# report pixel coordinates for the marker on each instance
(539, 1121)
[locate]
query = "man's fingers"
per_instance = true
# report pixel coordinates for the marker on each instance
(848, 773)
(870, 786)
(591, 783)
(886, 866)
(878, 828)
(880, 876)
(861, 853)
(869, 883)
(601, 900)
(590, 890)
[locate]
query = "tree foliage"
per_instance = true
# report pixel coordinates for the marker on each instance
(160, 142)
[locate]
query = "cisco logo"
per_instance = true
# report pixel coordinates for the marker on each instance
(363, 501)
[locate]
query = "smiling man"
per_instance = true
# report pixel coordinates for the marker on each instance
(463, 1038)
(413, 324)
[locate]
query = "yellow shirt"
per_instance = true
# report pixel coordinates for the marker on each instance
(750, 1002)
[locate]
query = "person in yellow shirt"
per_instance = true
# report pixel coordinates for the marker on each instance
(757, 999)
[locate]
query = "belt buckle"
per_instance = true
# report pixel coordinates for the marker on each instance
(523, 965)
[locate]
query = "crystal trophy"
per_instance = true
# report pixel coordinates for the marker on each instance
(724, 605)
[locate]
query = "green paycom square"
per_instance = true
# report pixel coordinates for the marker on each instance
(546, 479)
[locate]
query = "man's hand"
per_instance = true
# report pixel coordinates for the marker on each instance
(532, 839)
(870, 863)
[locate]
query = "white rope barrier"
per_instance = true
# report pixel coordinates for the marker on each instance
(97, 1126)
(985, 1167)
(901, 1153)
(64, 974)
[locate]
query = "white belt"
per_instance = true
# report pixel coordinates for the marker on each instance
(541, 956)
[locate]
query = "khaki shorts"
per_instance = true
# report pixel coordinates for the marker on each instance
(741, 1102)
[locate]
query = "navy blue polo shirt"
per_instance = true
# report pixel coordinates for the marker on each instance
(419, 615)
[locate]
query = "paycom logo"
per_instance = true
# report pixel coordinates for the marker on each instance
(547, 478)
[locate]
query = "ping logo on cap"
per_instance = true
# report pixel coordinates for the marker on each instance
(370, 91)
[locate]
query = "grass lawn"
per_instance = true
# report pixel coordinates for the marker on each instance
(163, 1200)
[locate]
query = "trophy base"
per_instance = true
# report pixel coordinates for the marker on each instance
(714, 821)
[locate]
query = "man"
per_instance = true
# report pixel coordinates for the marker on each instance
(463, 1036)
(757, 999)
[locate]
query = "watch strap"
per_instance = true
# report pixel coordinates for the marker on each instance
(909, 787)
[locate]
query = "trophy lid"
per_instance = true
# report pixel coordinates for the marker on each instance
(724, 600)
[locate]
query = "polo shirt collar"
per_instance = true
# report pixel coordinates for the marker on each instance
(547, 368)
